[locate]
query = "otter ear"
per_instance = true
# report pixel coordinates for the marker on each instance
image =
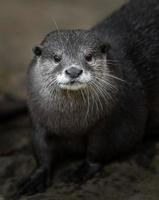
(105, 48)
(37, 50)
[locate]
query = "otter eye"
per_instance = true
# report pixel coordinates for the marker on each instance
(37, 50)
(89, 57)
(57, 58)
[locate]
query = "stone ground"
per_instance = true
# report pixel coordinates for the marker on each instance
(23, 24)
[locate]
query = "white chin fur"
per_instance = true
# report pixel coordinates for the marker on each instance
(74, 86)
(63, 81)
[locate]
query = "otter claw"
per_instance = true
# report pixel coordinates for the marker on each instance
(36, 183)
(84, 172)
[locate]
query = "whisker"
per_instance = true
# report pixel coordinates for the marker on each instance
(58, 31)
(105, 90)
(108, 75)
(95, 98)
(105, 81)
(95, 91)
(115, 77)
(88, 103)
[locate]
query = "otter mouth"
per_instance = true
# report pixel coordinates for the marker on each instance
(72, 85)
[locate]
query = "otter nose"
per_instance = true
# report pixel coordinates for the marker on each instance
(74, 72)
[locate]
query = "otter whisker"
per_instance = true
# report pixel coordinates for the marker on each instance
(112, 76)
(104, 91)
(58, 31)
(108, 60)
(88, 103)
(104, 80)
(107, 83)
(104, 86)
(107, 93)
(51, 83)
(99, 92)
(95, 98)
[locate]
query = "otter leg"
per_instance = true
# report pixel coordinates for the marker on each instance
(92, 162)
(83, 172)
(104, 144)
(40, 178)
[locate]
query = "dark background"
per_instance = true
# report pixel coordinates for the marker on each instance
(22, 25)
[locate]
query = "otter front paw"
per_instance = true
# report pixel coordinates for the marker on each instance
(35, 183)
(84, 172)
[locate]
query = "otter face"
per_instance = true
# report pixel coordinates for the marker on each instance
(71, 59)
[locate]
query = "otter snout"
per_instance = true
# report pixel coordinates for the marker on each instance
(73, 78)
(73, 72)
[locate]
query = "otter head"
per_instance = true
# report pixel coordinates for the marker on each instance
(72, 60)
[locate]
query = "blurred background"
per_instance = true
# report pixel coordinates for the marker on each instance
(24, 24)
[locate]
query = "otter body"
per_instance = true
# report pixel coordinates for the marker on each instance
(94, 92)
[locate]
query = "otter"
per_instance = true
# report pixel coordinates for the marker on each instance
(94, 93)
